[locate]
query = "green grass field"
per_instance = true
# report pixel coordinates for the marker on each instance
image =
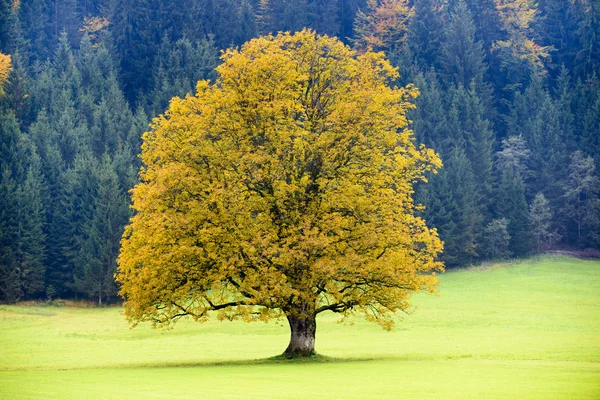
(525, 331)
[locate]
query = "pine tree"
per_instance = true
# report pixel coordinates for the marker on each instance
(348, 10)
(590, 139)
(429, 115)
(33, 17)
(496, 239)
(9, 26)
(247, 27)
(17, 90)
(549, 152)
(487, 21)
(582, 201)
(12, 173)
(64, 19)
(462, 57)
(558, 29)
(325, 17)
(477, 136)
(179, 66)
(512, 205)
(30, 243)
(440, 211)
(467, 216)
(80, 189)
(585, 95)
(102, 234)
(588, 56)
(425, 33)
(564, 97)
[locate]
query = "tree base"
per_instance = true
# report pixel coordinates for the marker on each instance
(298, 354)
(302, 339)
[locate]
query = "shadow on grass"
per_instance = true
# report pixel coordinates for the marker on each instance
(282, 360)
(275, 360)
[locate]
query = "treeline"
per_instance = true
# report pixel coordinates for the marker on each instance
(510, 98)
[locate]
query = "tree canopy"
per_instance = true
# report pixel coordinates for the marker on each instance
(283, 188)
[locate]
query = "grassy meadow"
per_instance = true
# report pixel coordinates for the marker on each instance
(528, 330)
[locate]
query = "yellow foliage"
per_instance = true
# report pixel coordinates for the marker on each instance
(384, 26)
(5, 69)
(286, 185)
(517, 16)
(94, 26)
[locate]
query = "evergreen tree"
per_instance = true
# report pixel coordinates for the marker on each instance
(30, 241)
(283, 15)
(348, 10)
(585, 96)
(462, 245)
(541, 217)
(102, 234)
(590, 139)
(477, 137)
(179, 66)
(247, 27)
(582, 201)
(511, 204)
(558, 29)
(564, 106)
(12, 173)
(429, 115)
(64, 19)
(9, 26)
(487, 21)
(326, 17)
(462, 57)
(549, 151)
(33, 17)
(588, 56)
(17, 90)
(71, 220)
(496, 239)
(425, 33)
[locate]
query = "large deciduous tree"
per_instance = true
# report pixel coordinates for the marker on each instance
(283, 189)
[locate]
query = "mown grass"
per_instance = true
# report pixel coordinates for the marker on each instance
(529, 330)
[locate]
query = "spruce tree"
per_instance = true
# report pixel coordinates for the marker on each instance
(12, 173)
(33, 17)
(512, 205)
(462, 58)
(429, 115)
(582, 200)
(468, 218)
(478, 138)
(247, 27)
(30, 243)
(101, 237)
(496, 239)
(425, 33)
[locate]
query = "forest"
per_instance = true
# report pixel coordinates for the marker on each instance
(509, 99)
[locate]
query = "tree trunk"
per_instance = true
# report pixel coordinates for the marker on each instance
(302, 338)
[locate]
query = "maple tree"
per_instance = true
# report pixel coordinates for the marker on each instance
(282, 189)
